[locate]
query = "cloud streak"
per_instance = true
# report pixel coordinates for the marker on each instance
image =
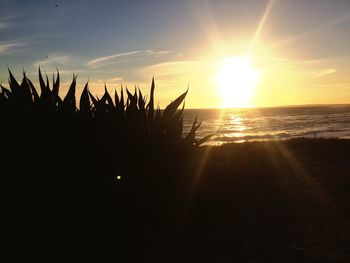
(7, 21)
(8, 47)
(4, 25)
(325, 72)
(318, 29)
(97, 62)
(53, 59)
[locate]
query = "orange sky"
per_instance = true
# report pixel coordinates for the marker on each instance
(299, 48)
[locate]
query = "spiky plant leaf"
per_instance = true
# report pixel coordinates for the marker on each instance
(45, 91)
(132, 99)
(69, 102)
(35, 94)
(25, 92)
(107, 97)
(14, 86)
(141, 101)
(116, 101)
(84, 104)
(2, 95)
(93, 99)
(122, 97)
(172, 107)
(150, 106)
(47, 82)
(6, 92)
(179, 114)
(191, 135)
(56, 86)
(204, 139)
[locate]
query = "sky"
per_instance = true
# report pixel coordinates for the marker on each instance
(301, 48)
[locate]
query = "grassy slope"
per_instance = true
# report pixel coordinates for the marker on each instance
(260, 202)
(276, 201)
(252, 202)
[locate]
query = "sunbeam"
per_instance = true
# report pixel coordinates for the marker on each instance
(261, 25)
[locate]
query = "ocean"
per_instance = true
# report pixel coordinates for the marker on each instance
(256, 124)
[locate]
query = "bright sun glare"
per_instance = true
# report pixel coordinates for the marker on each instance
(236, 79)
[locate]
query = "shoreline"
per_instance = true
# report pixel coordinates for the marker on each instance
(218, 144)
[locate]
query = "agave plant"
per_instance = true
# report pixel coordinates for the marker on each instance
(132, 115)
(67, 156)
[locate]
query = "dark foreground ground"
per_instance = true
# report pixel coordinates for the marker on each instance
(251, 202)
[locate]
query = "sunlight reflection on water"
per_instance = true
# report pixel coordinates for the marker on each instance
(240, 125)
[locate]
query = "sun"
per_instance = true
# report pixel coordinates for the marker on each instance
(236, 79)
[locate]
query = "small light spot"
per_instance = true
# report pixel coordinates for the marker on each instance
(119, 177)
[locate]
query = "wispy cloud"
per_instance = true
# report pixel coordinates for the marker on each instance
(102, 60)
(318, 29)
(325, 72)
(333, 85)
(313, 61)
(159, 52)
(7, 21)
(53, 59)
(116, 79)
(169, 68)
(137, 53)
(4, 25)
(176, 74)
(8, 47)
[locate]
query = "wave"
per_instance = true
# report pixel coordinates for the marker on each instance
(272, 123)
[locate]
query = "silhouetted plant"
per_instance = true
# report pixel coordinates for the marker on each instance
(133, 115)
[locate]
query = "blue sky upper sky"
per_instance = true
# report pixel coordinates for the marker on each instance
(180, 42)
